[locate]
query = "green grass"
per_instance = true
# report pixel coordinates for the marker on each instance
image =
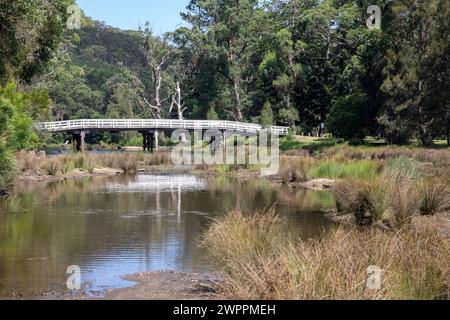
(339, 170)
(311, 144)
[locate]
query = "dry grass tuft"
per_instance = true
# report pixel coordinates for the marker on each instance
(294, 169)
(365, 199)
(434, 196)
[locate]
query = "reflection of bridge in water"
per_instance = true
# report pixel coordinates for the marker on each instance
(150, 127)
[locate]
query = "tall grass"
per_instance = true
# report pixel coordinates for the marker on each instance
(294, 169)
(400, 192)
(261, 264)
(435, 156)
(403, 200)
(52, 167)
(348, 169)
(365, 199)
(434, 196)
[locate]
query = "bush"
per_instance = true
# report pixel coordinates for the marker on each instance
(7, 169)
(346, 119)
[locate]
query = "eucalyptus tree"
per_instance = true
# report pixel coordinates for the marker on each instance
(229, 33)
(417, 65)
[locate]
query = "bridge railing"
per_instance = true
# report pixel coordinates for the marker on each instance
(149, 124)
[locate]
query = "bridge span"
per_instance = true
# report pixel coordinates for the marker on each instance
(149, 128)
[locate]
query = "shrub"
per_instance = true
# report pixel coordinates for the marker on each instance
(7, 169)
(346, 117)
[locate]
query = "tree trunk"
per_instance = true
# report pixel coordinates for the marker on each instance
(238, 104)
(448, 134)
(178, 102)
(158, 81)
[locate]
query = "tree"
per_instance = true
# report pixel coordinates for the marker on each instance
(288, 116)
(23, 54)
(29, 33)
(409, 85)
(212, 114)
(267, 115)
(7, 112)
(157, 54)
(228, 33)
(346, 119)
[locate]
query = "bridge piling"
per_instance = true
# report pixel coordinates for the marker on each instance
(148, 143)
(78, 138)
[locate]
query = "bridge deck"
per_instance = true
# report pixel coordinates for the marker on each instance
(153, 124)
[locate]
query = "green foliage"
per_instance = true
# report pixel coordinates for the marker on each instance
(7, 112)
(212, 114)
(267, 115)
(22, 107)
(29, 33)
(135, 141)
(416, 81)
(288, 116)
(337, 170)
(346, 119)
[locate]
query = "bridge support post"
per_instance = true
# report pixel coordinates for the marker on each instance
(78, 138)
(144, 146)
(148, 143)
(151, 144)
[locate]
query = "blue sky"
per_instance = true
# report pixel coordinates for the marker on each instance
(126, 14)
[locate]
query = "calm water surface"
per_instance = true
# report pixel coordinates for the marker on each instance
(123, 225)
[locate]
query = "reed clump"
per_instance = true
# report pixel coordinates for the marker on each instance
(53, 166)
(434, 196)
(364, 199)
(295, 169)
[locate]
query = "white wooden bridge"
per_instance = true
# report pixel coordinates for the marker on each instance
(148, 126)
(154, 124)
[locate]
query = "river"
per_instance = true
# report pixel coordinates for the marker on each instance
(111, 227)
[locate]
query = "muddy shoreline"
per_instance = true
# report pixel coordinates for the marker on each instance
(158, 285)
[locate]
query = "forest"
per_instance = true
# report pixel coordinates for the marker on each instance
(298, 63)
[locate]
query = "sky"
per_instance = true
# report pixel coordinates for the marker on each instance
(164, 15)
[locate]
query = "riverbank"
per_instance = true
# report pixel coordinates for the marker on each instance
(393, 206)
(162, 285)
(261, 261)
(169, 285)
